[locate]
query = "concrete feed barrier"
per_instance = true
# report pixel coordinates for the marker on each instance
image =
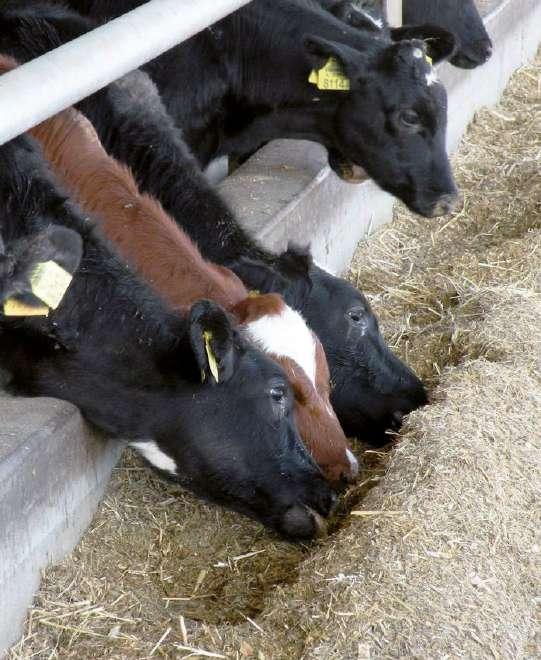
(53, 470)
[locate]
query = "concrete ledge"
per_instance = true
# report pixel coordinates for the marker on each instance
(53, 471)
(286, 191)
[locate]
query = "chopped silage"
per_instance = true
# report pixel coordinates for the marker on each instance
(442, 558)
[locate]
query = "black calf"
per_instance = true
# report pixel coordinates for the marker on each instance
(371, 387)
(200, 404)
(461, 18)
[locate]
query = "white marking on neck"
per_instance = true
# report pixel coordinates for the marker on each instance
(154, 455)
(432, 77)
(286, 335)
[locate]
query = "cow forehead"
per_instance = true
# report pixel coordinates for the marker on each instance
(286, 335)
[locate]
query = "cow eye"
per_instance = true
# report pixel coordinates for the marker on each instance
(356, 316)
(278, 394)
(410, 119)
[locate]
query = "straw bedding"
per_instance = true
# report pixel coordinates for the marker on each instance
(436, 552)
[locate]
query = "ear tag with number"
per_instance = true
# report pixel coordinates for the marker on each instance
(331, 77)
(213, 364)
(14, 307)
(49, 283)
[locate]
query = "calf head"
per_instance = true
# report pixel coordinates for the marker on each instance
(20, 259)
(392, 121)
(462, 19)
(282, 333)
(237, 443)
(371, 388)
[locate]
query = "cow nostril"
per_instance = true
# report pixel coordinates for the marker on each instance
(398, 416)
(484, 47)
(301, 522)
(445, 204)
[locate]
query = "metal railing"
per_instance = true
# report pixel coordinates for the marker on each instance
(64, 76)
(393, 11)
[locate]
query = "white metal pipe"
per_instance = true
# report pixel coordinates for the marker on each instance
(393, 12)
(64, 76)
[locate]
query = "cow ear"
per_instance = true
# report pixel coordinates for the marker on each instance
(289, 275)
(259, 276)
(440, 43)
(212, 340)
(63, 246)
(295, 265)
(38, 270)
(351, 62)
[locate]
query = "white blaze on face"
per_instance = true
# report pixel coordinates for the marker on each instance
(156, 456)
(286, 335)
(431, 77)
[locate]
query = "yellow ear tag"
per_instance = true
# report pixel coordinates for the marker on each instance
(13, 307)
(428, 59)
(213, 364)
(254, 293)
(331, 77)
(49, 283)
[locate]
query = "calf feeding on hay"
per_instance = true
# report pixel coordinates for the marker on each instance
(134, 368)
(372, 388)
(171, 263)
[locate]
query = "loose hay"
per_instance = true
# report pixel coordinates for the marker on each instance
(442, 560)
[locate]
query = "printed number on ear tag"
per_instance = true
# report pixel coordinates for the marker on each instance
(213, 364)
(331, 77)
(49, 283)
(13, 307)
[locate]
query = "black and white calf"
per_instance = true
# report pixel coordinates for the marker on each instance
(255, 72)
(135, 128)
(201, 405)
